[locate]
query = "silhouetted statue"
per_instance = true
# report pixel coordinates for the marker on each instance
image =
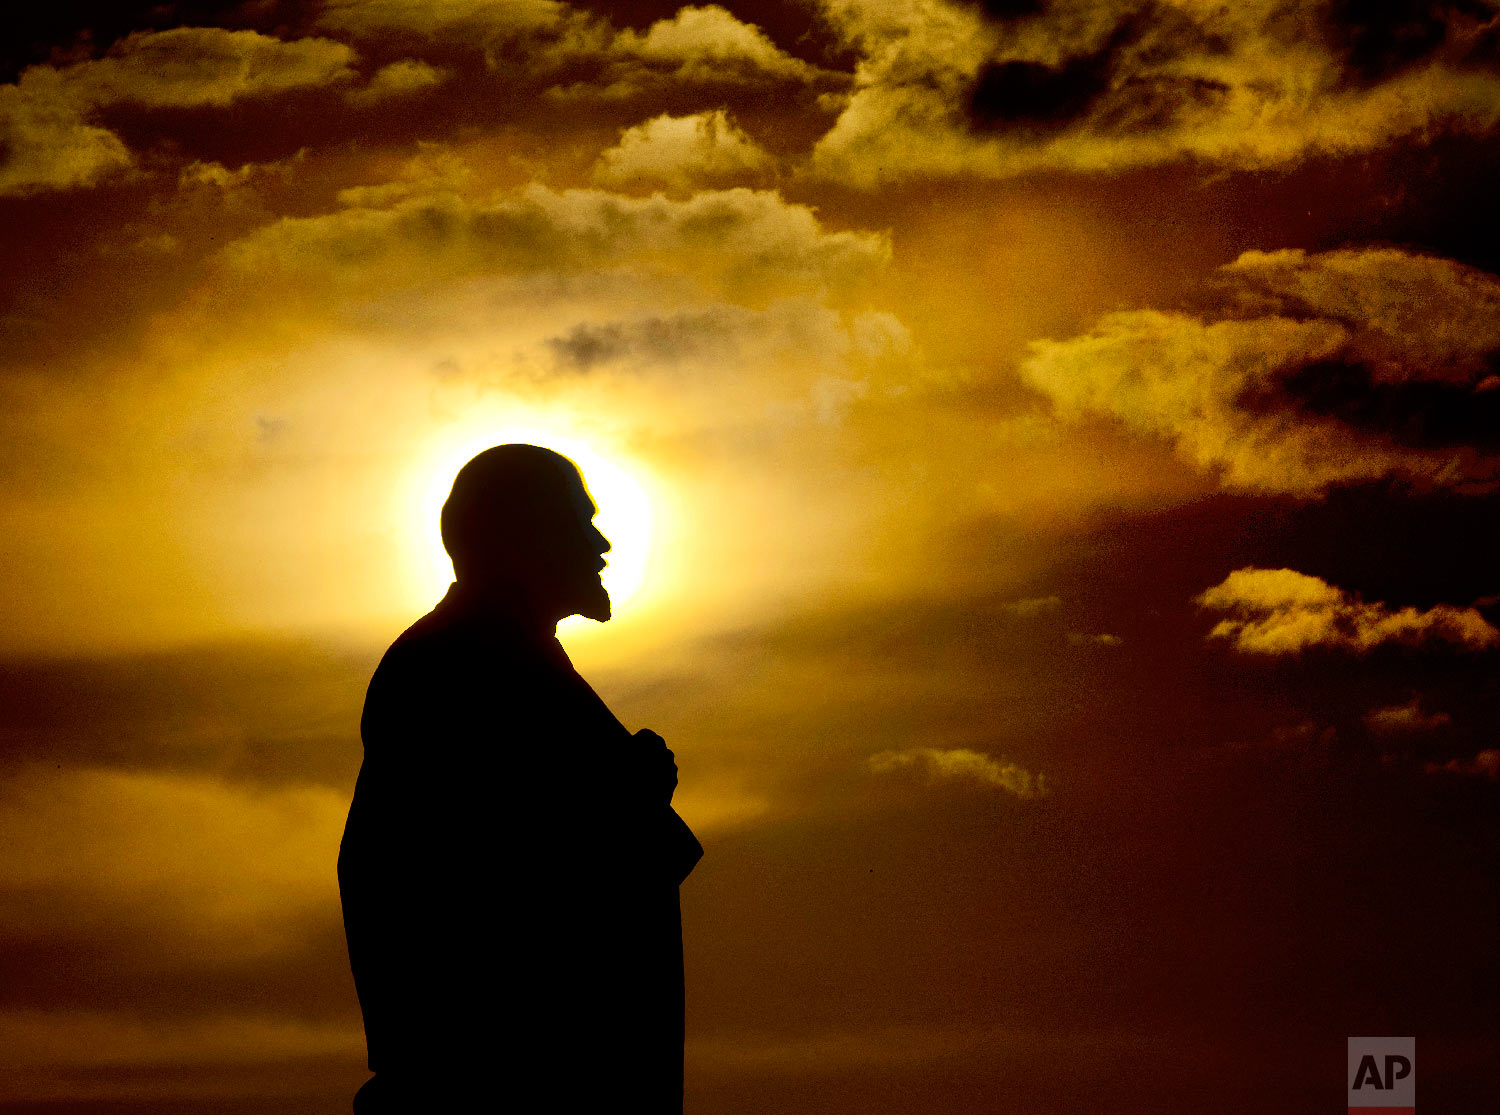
(510, 866)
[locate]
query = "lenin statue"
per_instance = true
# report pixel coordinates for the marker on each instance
(510, 866)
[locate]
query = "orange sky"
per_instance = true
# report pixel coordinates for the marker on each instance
(1068, 438)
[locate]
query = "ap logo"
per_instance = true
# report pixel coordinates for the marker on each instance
(1382, 1076)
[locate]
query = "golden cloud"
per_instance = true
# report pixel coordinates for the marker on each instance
(258, 861)
(1281, 611)
(45, 130)
(540, 41)
(681, 150)
(399, 79)
(943, 90)
(45, 141)
(1298, 385)
(739, 240)
(193, 66)
(1396, 719)
(1411, 316)
(710, 43)
(1486, 764)
(962, 764)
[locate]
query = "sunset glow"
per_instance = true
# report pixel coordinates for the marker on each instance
(1051, 454)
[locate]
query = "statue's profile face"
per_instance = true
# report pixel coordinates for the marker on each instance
(580, 560)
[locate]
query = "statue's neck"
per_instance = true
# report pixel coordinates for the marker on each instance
(506, 602)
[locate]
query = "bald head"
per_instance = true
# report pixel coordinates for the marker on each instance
(520, 518)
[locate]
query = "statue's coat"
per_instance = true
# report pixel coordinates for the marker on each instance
(509, 877)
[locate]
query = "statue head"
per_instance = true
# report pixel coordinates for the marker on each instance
(518, 525)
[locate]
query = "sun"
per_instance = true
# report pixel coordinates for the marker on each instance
(625, 514)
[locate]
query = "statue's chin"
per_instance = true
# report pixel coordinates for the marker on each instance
(595, 603)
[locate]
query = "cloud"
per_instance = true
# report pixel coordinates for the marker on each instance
(1034, 606)
(703, 46)
(738, 240)
(1410, 316)
(1081, 639)
(1397, 719)
(961, 764)
(79, 1054)
(710, 44)
(443, 17)
(206, 66)
(943, 89)
(550, 44)
(258, 864)
(651, 340)
(399, 79)
(225, 711)
(1281, 611)
(722, 334)
(1309, 370)
(47, 139)
(681, 150)
(1486, 764)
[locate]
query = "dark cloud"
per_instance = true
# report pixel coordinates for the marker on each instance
(586, 346)
(272, 713)
(41, 32)
(1010, 9)
(1120, 95)
(652, 340)
(1143, 104)
(1377, 39)
(86, 969)
(1421, 414)
(1033, 95)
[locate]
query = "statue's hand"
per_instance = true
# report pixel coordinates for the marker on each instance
(660, 762)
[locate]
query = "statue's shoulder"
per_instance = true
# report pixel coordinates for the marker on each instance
(446, 677)
(453, 652)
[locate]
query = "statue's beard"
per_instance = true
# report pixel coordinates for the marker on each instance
(594, 602)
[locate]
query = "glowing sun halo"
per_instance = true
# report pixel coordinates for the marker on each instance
(625, 511)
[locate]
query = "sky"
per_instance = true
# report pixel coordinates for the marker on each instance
(1051, 450)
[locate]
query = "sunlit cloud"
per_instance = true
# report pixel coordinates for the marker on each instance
(547, 44)
(1315, 370)
(1281, 611)
(681, 150)
(1035, 606)
(399, 79)
(1486, 764)
(743, 242)
(46, 118)
(257, 863)
(1104, 639)
(1408, 717)
(960, 764)
(943, 89)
